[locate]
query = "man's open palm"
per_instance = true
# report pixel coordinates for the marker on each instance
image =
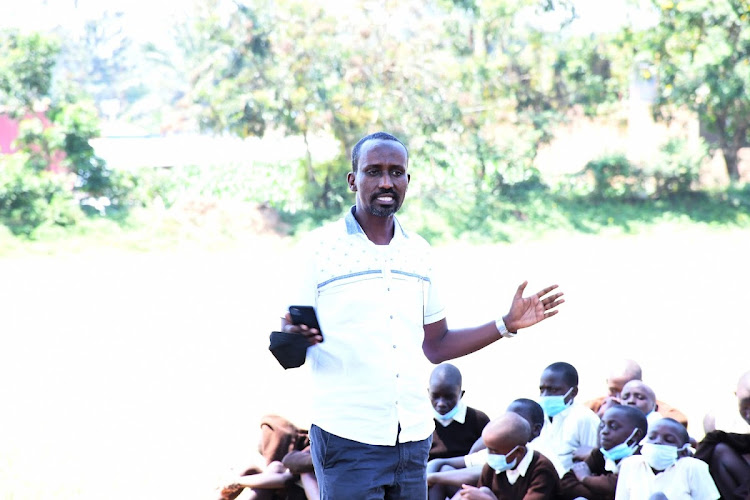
(527, 311)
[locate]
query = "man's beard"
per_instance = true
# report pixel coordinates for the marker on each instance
(387, 211)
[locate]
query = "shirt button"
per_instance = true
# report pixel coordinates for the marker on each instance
(394, 346)
(397, 375)
(391, 316)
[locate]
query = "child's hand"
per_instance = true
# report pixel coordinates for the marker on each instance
(474, 493)
(581, 470)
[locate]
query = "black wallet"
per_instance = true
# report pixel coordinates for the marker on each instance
(289, 349)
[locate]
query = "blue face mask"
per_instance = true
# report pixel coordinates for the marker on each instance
(500, 462)
(622, 450)
(660, 456)
(449, 415)
(552, 405)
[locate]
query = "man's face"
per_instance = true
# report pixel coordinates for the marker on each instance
(381, 179)
(635, 394)
(552, 384)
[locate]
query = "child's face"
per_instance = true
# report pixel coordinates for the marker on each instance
(664, 433)
(636, 394)
(553, 384)
(614, 429)
(444, 396)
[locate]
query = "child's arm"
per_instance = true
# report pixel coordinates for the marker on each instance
(436, 464)
(457, 477)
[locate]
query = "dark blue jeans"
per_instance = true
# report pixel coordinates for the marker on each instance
(349, 470)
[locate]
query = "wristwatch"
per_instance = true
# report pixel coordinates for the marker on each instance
(503, 330)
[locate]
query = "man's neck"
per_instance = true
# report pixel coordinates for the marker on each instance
(379, 230)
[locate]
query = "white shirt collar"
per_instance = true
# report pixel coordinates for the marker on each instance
(521, 468)
(459, 417)
(611, 466)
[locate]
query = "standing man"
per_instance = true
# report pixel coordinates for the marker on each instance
(373, 287)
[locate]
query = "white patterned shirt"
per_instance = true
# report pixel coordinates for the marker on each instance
(372, 303)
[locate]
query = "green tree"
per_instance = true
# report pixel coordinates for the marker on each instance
(701, 53)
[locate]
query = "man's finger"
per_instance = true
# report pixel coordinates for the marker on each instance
(554, 304)
(521, 288)
(545, 291)
(552, 298)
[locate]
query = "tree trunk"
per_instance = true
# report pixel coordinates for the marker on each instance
(308, 158)
(730, 158)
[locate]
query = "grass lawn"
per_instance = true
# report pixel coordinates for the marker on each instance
(142, 375)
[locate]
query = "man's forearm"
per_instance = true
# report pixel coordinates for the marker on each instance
(441, 344)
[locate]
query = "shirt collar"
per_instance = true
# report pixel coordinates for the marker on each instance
(521, 468)
(459, 417)
(353, 227)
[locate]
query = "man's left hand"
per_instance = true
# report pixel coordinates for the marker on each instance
(527, 311)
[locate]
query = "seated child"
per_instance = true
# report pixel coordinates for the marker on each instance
(621, 373)
(569, 428)
(446, 475)
(637, 394)
(621, 429)
(728, 419)
(457, 426)
(728, 454)
(279, 439)
(512, 470)
(665, 467)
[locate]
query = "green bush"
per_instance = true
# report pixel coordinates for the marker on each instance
(676, 168)
(615, 176)
(30, 199)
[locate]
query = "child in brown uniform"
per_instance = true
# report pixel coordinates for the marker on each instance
(513, 471)
(457, 426)
(622, 428)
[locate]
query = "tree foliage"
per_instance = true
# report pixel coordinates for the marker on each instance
(54, 167)
(701, 53)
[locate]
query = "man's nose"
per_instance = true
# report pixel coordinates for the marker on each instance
(386, 181)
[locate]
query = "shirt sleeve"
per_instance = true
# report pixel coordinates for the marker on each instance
(434, 309)
(623, 477)
(588, 430)
(476, 458)
(702, 486)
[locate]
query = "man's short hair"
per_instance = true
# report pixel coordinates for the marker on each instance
(382, 136)
(568, 372)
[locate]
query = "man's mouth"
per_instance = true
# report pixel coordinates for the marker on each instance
(385, 198)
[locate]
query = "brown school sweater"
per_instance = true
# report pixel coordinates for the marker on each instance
(600, 486)
(456, 439)
(540, 482)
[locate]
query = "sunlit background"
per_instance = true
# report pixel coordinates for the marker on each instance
(158, 161)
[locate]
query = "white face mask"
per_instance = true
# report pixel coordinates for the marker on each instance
(660, 456)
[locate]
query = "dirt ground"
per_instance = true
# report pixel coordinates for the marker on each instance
(143, 376)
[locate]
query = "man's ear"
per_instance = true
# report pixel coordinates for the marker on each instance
(574, 393)
(350, 180)
(462, 394)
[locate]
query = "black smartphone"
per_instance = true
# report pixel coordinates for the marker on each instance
(305, 315)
